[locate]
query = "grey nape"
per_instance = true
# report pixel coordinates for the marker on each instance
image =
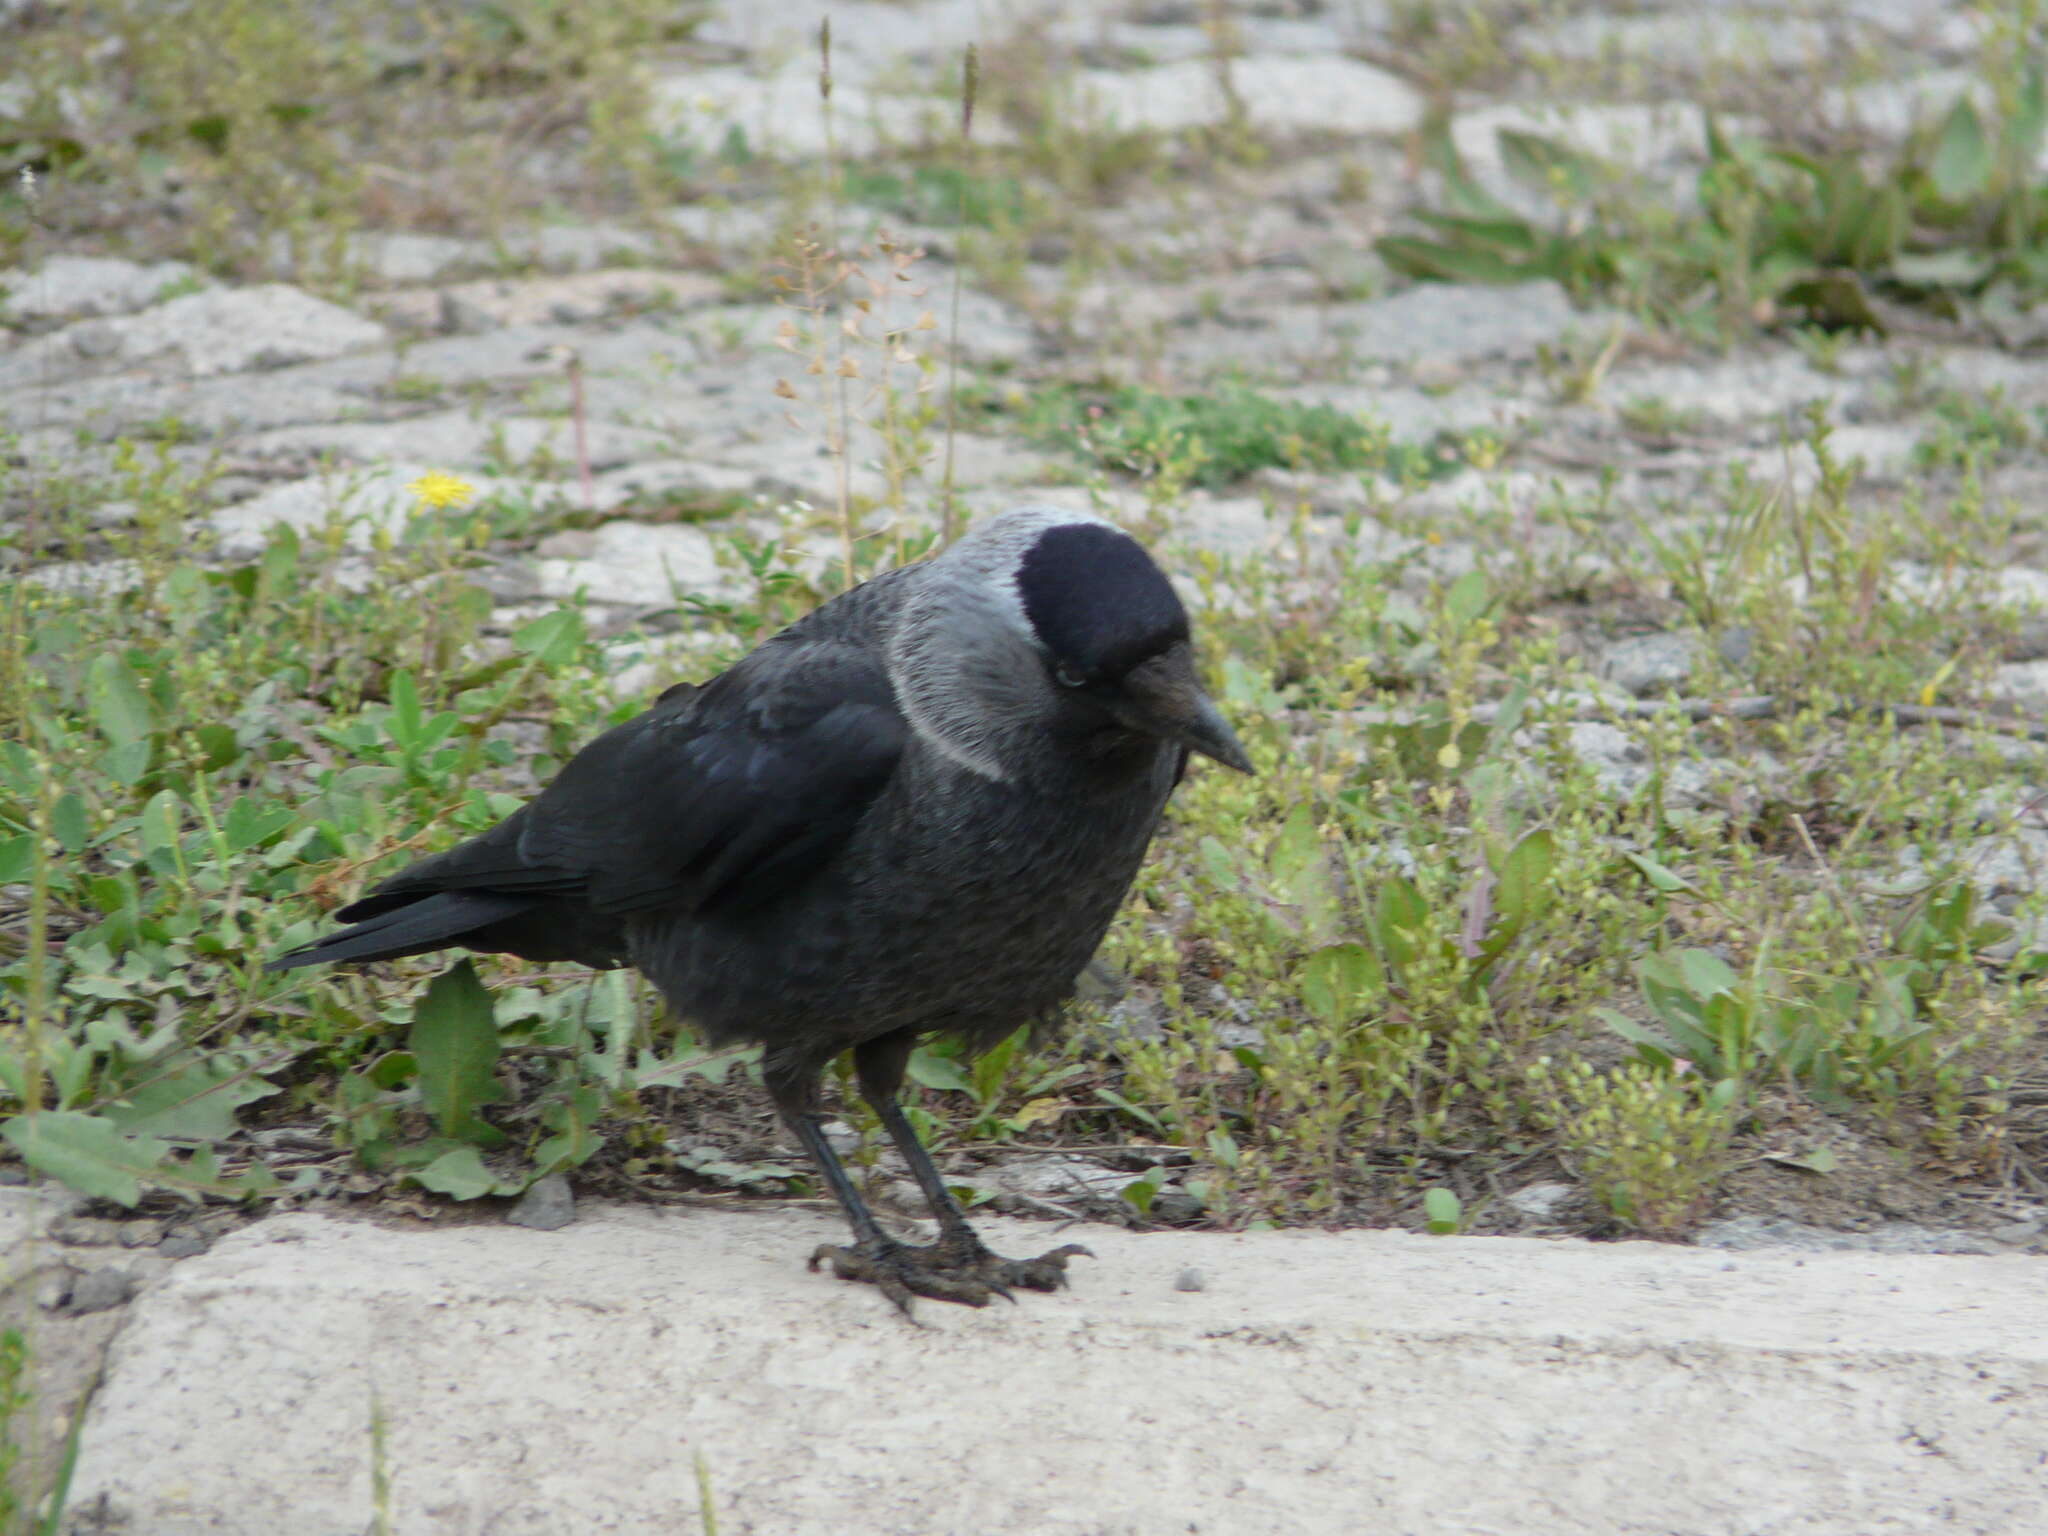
(914, 811)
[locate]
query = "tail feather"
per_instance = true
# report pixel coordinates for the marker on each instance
(431, 922)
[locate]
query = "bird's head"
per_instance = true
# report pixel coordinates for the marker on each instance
(1047, 621)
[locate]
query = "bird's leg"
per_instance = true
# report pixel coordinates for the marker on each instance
(795, 1093)
(957, 1267)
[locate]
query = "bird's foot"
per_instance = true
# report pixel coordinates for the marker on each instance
(949, 1270)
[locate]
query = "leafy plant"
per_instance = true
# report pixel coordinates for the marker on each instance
(1217, 437)
(1957, 217)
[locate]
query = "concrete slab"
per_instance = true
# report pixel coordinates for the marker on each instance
(576, 1381)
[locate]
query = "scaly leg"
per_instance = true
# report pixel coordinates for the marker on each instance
(955, 1268)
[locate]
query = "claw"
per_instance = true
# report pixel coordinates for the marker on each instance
(962, 1272)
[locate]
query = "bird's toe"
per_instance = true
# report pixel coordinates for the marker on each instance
(900, 1272)
(1047, 1272)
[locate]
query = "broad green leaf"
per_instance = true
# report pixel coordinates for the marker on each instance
(1663, 878)
(1507, 719)
(87, 1153)
(196, 1103)
(159, 822)
(1435, 261)
(249, 823)
(1653, 1047)
(1818, 1160)
(1218, 863)
(2029, 117)
(17, 858)
(1399, 913)
(929, 1070)
(1468, 599)
(68, 822)
(406, 718)
(118, 706)
(200, 1174)
(1299, 861)
(1444, 1210)
(128, 762)
(1144, 1189)
(1524, 890)
(1339, 981)
(1962, 162)
(461, 1175)
(455, 1041)
(278, 572)
(571, 1120)
(392, 1070)
(553, 639)
(1705, 972)
(1137, 1112)
(218, 743)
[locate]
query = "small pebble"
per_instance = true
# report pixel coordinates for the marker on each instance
(99, 1289)
(1190, 1280)
(85, 1231)
(547, 1207)
(184, 1245)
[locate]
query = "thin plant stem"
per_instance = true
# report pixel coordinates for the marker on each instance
(949, 511)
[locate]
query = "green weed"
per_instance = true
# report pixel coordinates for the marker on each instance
(1213, 438)
(1953, 223)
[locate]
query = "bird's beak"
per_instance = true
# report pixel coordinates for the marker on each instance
(1163, 697)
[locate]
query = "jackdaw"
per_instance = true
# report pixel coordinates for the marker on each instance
(912, 812)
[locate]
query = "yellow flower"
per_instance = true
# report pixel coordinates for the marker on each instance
(436, 490)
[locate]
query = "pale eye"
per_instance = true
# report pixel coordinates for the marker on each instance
(1067, 677)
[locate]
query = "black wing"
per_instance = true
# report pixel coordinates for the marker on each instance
(717, 799)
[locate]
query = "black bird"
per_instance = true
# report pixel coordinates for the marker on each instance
(914, 811)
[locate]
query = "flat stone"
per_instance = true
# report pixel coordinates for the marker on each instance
(447, 438)
(1750, 1233)
(657, 479)
(1687, 40)
(1237, 527)
(1438, 1383)
(1894, 107)
(1063, 1177)
(462, 440)
(2021, 683)
(1540, 1202)
(576, 247)
(867, 35)
(1880, 453)
(98, 1289)
(781, 114)
(574, 298)
(1431, 324)
(1638, 135)
(217, 331)
(548, 1206)
(101, 578)
(400, 256)
(1417, 415)
(1171, 33)
(1623, 768)
(1726, 391)
(498, 357)
(1647, 664)
(737, 227)
(796, 466)
(75, 287)
(1279, 93)
(642, 565)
